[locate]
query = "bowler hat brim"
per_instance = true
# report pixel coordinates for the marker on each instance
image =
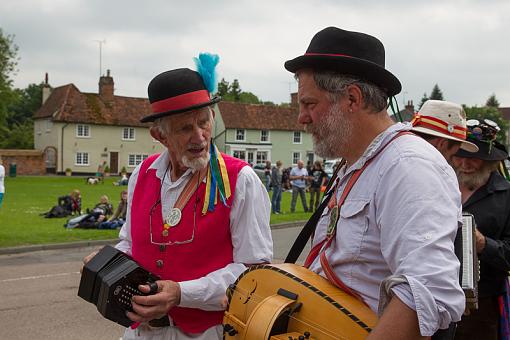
(486, 151)
(364, 69)
(153, 117)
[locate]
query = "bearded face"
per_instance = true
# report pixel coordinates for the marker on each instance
(473, 173)
(331, 133)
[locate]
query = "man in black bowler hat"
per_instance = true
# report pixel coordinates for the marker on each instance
(386, 235)
(486, 195)
(196, 217)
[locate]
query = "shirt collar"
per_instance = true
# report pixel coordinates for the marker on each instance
(379, 142)
(162, 163)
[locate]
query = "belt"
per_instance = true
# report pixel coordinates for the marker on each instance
(163, 322)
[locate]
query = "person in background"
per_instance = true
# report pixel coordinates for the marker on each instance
(2, 186)
(298, 178)
(267, 174)
(277, 184)
(119, 217)
(486, 195)
(318, 178)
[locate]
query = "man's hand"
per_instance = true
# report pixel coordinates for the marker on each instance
(480, 241)
(87, 258)
(150, 307)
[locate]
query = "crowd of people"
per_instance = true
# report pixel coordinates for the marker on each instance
(199, 218)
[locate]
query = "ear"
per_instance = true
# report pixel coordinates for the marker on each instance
(355, 98)
(157, 135)
(213, 113)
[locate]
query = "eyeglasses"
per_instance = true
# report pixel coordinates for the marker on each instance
(153, 209)
(483, 130)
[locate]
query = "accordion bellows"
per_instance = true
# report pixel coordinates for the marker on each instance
(109, 280)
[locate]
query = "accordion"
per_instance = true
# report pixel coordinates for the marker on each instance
(109, 280)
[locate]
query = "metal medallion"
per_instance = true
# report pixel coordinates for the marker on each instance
(174, 217)
(333, 219)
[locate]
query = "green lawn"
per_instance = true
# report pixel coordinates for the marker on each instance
(27, 197)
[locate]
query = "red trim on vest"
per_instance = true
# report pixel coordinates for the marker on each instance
(186, 261)
(181, 101)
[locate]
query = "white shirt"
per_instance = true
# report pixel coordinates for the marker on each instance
(249, 227)
(300, 183)
(396, 231)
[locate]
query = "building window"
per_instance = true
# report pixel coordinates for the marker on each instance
(250, 157)
(241, 154)
(261, 156)
(128, 134)
(296, 156)
(135, 159)
(82, 158)
(264, 135)
(82, 131)
(240, 134)
(49, 125)
(297, 137)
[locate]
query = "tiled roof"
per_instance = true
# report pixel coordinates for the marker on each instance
(67, 104)
(259, 117)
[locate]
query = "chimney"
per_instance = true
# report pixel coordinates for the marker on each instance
(46, 90)
(106, 87)
(294, 100)
(410, 107)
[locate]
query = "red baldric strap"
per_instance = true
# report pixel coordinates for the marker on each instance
(439, 125)
(321, 247)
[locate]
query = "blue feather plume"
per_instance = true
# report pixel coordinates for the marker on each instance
(206, 67)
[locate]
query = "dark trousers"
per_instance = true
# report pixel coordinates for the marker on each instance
(295, 192)
(315, 195)
(482, 323)
(276, 199)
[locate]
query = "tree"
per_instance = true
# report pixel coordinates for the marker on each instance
(491, 113)
(423, 100)
(8, 63)
(436, 93)
(492, 101)
(235, 90)
(223, 87)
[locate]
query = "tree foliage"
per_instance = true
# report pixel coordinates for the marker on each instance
(491, 113)
(423, 100)
(233, 93)
(436, 93)
(8, 63)
(492, 101)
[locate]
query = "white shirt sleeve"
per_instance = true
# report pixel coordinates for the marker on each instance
(251, 239)
(125, 232)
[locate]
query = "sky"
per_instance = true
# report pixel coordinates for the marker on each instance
(461, 45)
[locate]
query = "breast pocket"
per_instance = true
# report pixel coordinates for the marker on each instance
(353, 226)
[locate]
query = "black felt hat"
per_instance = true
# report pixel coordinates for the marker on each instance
(347, 52)
(177, 91)
(487, 151)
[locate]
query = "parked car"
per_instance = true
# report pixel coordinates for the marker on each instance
(329, 166)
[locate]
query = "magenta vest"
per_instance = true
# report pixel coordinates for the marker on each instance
(210, 250)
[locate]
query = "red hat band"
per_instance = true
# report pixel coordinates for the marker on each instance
(439, 125)
(181, 101)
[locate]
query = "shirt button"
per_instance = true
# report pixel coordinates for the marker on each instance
(161, 247)
(165, 233)
(159, 263)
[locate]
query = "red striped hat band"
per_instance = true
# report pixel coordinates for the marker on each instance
(436, 124)
(181, 102)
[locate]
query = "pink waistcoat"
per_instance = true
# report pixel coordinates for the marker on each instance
(211, 248)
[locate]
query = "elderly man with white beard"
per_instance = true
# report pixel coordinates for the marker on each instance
(486, 195)
(387, 233)
(196, 217)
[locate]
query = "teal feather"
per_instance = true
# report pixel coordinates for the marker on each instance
(206, 67)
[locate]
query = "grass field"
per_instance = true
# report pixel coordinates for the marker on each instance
(27, 197)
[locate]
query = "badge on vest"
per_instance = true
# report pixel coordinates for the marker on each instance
(174, 217)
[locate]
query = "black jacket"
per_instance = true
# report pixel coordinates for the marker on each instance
(490, 206)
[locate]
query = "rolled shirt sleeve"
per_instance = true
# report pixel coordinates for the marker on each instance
(417, 241)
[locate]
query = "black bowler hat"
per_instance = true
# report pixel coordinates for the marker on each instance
(487, 151)
(347, 52)
(177, 91)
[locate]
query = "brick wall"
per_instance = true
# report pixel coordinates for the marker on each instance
(28, 162)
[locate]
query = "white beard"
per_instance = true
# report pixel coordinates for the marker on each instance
(196, 163)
